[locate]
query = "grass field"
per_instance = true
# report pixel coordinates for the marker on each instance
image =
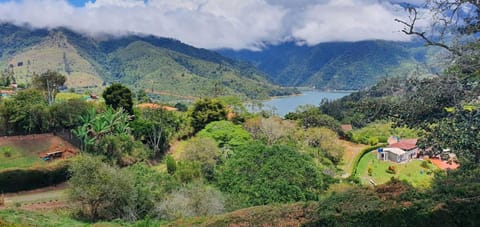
(37, 197)
(14, 155)
(411, 171)
(25, 151)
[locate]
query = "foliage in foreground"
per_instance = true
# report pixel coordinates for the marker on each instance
(260, 175)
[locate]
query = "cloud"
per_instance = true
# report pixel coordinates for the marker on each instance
(212, 24)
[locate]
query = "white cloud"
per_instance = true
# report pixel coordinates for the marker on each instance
(349, 20)
(114, 3)
(219, 23)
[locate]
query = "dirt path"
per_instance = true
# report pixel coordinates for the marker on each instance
(43, 198)
(351, 152)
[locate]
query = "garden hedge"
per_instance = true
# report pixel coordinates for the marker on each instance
(20, 179)
(363, 153)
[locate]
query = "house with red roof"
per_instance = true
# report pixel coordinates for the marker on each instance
(402, 151)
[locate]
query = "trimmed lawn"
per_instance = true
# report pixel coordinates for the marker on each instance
(411, 171)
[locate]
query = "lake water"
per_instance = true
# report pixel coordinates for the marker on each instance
(283, 105)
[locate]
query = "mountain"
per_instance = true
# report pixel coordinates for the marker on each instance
(336, 65)
(163, 67)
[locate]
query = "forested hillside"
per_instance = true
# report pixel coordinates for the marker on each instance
(338, 65)
(142, 62)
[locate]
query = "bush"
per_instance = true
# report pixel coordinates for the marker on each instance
(191, 201)
(188, 171)
(260, 175)
(171, 165)
(391, 170)
(7, 152)
(373, 141)
(14, 180)
(206, 152)
(425, 165)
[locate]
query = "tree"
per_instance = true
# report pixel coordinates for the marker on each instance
(311, 116)
(206, 152)
(271, 130)
(259, 175)
(192, 200)
(207, 110)
(106, 123)
(118, 96)
(325, 141)
(50, 82)
(459, 132)
(455, 25)
(101, 191)
(156, 127)
(226, 133)
(67, 114)
(26, 112)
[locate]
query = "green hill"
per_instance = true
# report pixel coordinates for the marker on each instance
(158, 65)
(338, 65)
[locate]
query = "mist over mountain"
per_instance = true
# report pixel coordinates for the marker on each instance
(160, 65)
(337, 65)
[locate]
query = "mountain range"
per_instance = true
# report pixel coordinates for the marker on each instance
(163, 67)
(170, 70)
(338, 65)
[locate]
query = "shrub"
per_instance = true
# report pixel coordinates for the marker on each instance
(188, 171)
(171, 165)
(191, 201)
(391, 170)
(263, 175)
(7, 152)
(425, 165)
(206, 152)
(14, 180)
(373, 141)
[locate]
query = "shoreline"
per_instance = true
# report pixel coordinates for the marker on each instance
(304, 89)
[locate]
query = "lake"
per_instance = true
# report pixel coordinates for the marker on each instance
(284, 105)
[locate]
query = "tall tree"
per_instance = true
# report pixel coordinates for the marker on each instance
(50, 82)
(118, 96)
(206, 111)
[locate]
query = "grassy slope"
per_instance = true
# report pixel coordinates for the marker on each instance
(352, 150)
(139, 62)
(12, 217)
(410, 171)
(25, 152)
(177, 73)
(54, 53)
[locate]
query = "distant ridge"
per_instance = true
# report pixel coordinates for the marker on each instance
(140, 62)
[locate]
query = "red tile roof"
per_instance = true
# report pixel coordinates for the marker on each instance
(346, 128)
(405, 144)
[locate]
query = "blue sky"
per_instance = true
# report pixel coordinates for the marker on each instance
(77, 2)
